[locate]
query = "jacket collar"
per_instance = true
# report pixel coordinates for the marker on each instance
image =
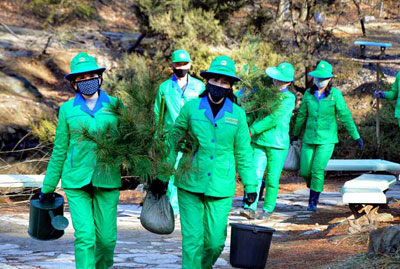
(80, 101)
(175, 81)
(319, 97)
(227, 107)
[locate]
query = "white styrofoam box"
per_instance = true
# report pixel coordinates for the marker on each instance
(371, 181)
(367, 189)
(362, 165)
(363, 196)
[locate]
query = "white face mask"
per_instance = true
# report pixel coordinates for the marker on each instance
(321, 83)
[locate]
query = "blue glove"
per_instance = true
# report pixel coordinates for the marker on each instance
(360, 143)
(379, 94)
(46, 197)
(250, 198)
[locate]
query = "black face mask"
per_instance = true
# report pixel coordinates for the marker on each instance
(217, 92)
(180, 73)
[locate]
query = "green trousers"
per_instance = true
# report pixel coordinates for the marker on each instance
(313, 160)
(94, 217)
(204, 221)
(172, 192)
(271, 159)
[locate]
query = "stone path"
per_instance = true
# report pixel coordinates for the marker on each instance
(138, 248)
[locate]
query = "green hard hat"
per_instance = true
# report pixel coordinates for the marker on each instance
(180, 56)
(323, 70)
(83, 63)
(283, 72)
(221, 65)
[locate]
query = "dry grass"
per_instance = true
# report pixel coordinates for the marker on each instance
(30, 68)
(364, 260)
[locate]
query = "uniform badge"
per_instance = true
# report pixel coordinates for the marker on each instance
(231, 120)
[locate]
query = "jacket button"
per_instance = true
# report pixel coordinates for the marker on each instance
(213, 141)
(211, 157)
(215, 125)
(209, 174)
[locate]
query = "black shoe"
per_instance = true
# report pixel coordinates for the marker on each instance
(313, 201)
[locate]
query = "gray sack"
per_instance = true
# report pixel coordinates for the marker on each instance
(157, 215)
(292, 162)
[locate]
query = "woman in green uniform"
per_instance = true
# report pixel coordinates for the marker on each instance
(205, 195)
(392, 95)
(92, 191)
(270, 137)
(320, 106)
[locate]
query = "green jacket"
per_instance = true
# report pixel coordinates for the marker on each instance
(73, 160)
(221, 141)
(175, 98)
(273, 130)
(394, 94)
(320, 118)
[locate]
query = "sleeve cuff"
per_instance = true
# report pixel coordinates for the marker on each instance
(250, 188)
(47, 189)
(356, 137)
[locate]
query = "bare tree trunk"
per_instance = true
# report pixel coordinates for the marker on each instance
(308, 78)
(137, 43)
(361, 16)
(280, 12)
(304, 10)
(381, 8)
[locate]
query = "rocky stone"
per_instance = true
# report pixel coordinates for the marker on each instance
(54, 264)
(157, 259)
(384, 240)
(221, 262)
(128, 265)
(18, 85)
(311, 232)
(7, 247)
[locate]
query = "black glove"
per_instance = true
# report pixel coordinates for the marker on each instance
(47, 197)
(293, 139)
(360, 143)
(250, 198)
(158, 187)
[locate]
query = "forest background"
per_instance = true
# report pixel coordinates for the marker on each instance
(134, 40)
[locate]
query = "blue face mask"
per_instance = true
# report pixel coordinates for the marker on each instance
(89, 86)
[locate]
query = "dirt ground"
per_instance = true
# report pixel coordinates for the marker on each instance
(296, 246)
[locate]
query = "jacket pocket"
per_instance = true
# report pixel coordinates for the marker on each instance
(72, 156)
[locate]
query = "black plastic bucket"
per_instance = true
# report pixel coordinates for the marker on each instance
(250, 245)
(46, 220)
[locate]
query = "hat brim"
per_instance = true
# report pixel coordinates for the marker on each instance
(316, 74)
(207, 75)
(71, 75)
(274, 73)
(182, 61)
